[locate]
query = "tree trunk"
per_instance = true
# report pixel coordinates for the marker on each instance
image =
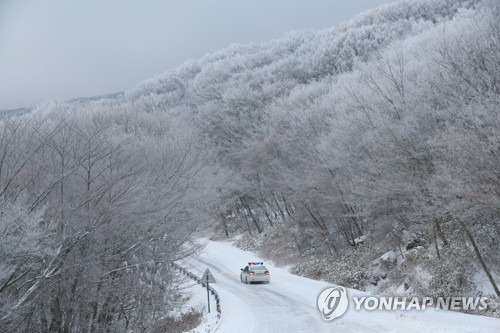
(267, 214)
(440, 232)
(249, 210)
(224, 224)
(323, 229)
(278, 206)
(289, 211)
(480, 258)
(436, 244)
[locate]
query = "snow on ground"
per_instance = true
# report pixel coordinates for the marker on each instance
(288, 303)
(197, 301)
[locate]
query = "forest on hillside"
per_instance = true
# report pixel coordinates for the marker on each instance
(366, 154)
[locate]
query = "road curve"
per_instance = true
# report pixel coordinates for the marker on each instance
(288, 303)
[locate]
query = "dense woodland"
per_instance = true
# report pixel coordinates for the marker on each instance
(367, 154)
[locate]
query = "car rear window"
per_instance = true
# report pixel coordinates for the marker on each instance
(258, 268)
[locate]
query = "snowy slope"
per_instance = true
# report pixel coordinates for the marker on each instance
(198, 301)
(287, 304)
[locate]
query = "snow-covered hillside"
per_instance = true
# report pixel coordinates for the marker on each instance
(366, 155)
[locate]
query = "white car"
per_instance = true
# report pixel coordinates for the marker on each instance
(255, 272)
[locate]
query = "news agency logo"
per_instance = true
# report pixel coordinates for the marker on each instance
(333, 303)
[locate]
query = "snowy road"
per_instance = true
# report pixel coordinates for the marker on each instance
(288, 303)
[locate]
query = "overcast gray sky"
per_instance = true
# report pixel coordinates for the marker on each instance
(75, 48)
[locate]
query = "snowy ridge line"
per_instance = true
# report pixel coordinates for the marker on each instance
(212, 291)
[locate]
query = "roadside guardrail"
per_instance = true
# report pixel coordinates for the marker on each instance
(198, 280)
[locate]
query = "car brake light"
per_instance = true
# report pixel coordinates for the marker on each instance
(267, 273)
(250, 273)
